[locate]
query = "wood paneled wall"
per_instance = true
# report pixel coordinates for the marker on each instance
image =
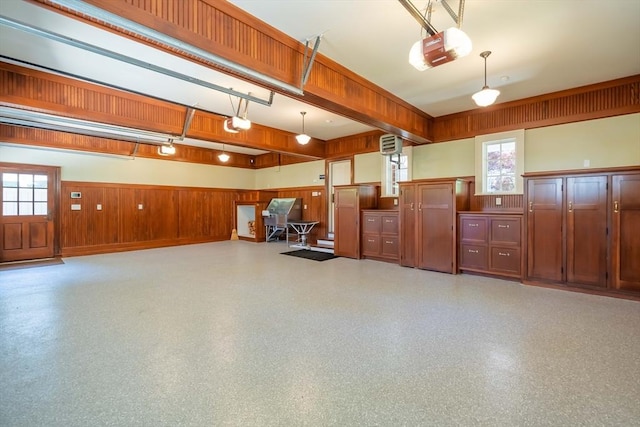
(120, 217)
(168, 216)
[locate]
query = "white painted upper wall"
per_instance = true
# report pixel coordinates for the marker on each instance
(90, 167)
(609, 142)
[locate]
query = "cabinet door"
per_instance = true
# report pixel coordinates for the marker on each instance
(587, 230)
(408, 227)
(347, 223)
(625, 208)
(435, 227)
(544, 229)
(370, 223)
(370, 244)
(473, 229)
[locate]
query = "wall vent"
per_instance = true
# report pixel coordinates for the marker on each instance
(390, 144)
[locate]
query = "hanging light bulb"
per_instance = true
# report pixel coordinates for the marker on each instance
(303, 138)
(223, 157)
(486, 96)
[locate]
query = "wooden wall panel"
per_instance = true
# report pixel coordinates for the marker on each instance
(616, 97)
(169, 216)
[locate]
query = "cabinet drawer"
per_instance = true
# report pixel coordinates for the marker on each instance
(473, 229)
(505, 230)
(505, 260)
(370, 223)
(473, 256)
(390, 224)
(370, 244)
(390, 246)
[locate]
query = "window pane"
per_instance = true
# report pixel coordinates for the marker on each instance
(26, 195)
(9, 208)
(10, 194)
(9, 179)
(40, 208)
(25, 208)
(40, 195)
(40, 181)
(26, 180)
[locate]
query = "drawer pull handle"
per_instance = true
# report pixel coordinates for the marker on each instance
(616, 206)
(570, 206)
(530, 206)
(370, 220)
(388, 220)
(370, 240)
(411, 205)
(473, 225)
(503, 254)
(471, 251)
(388, 242)
(502, 226)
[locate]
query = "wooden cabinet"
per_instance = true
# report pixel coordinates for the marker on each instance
(490, 243)
(428, 223)
(583, 229)
(380, 239)
(349, 201)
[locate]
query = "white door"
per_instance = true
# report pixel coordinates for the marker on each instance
(339, 174)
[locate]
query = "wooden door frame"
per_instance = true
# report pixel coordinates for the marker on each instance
(55, 172)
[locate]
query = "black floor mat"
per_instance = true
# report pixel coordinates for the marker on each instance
(308, 254)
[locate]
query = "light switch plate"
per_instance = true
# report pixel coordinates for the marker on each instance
(76, 207)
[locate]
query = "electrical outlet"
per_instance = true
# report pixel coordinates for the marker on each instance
(498, 201)
(586, 163)
(76, 207)
(395, 202)
(98, 207)
(140, 207)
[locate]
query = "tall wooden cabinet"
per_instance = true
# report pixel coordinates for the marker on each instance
(583, 229)
(428, 223)
(349, 201)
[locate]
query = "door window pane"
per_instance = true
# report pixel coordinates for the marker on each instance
(40, 181)
(9, 208)
(25, 208)
(10, 194)
(40, 208)
(25, 180)
(9, 179)
(26, 195)
(40, 195)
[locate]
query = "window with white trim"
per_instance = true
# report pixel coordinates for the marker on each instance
(396, 168)
(500, 163)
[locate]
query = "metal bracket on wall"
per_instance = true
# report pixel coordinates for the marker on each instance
(306, 66)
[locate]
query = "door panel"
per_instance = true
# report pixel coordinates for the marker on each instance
(587, 230)
(544, 229)
(435, 209)
(27, 211)
(408, 236)
(339, 174)
(625, 208)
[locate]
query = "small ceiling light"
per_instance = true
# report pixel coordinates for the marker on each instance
(303, 138)
(486, 96)
(223, 157)
(439, 49)
(167, 150)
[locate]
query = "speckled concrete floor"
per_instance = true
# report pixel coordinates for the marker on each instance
(234, 334)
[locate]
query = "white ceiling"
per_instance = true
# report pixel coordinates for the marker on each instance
(539, 46)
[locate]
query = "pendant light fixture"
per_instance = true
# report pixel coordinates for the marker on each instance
(223, 157)
(486, 96)
(303, 138)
